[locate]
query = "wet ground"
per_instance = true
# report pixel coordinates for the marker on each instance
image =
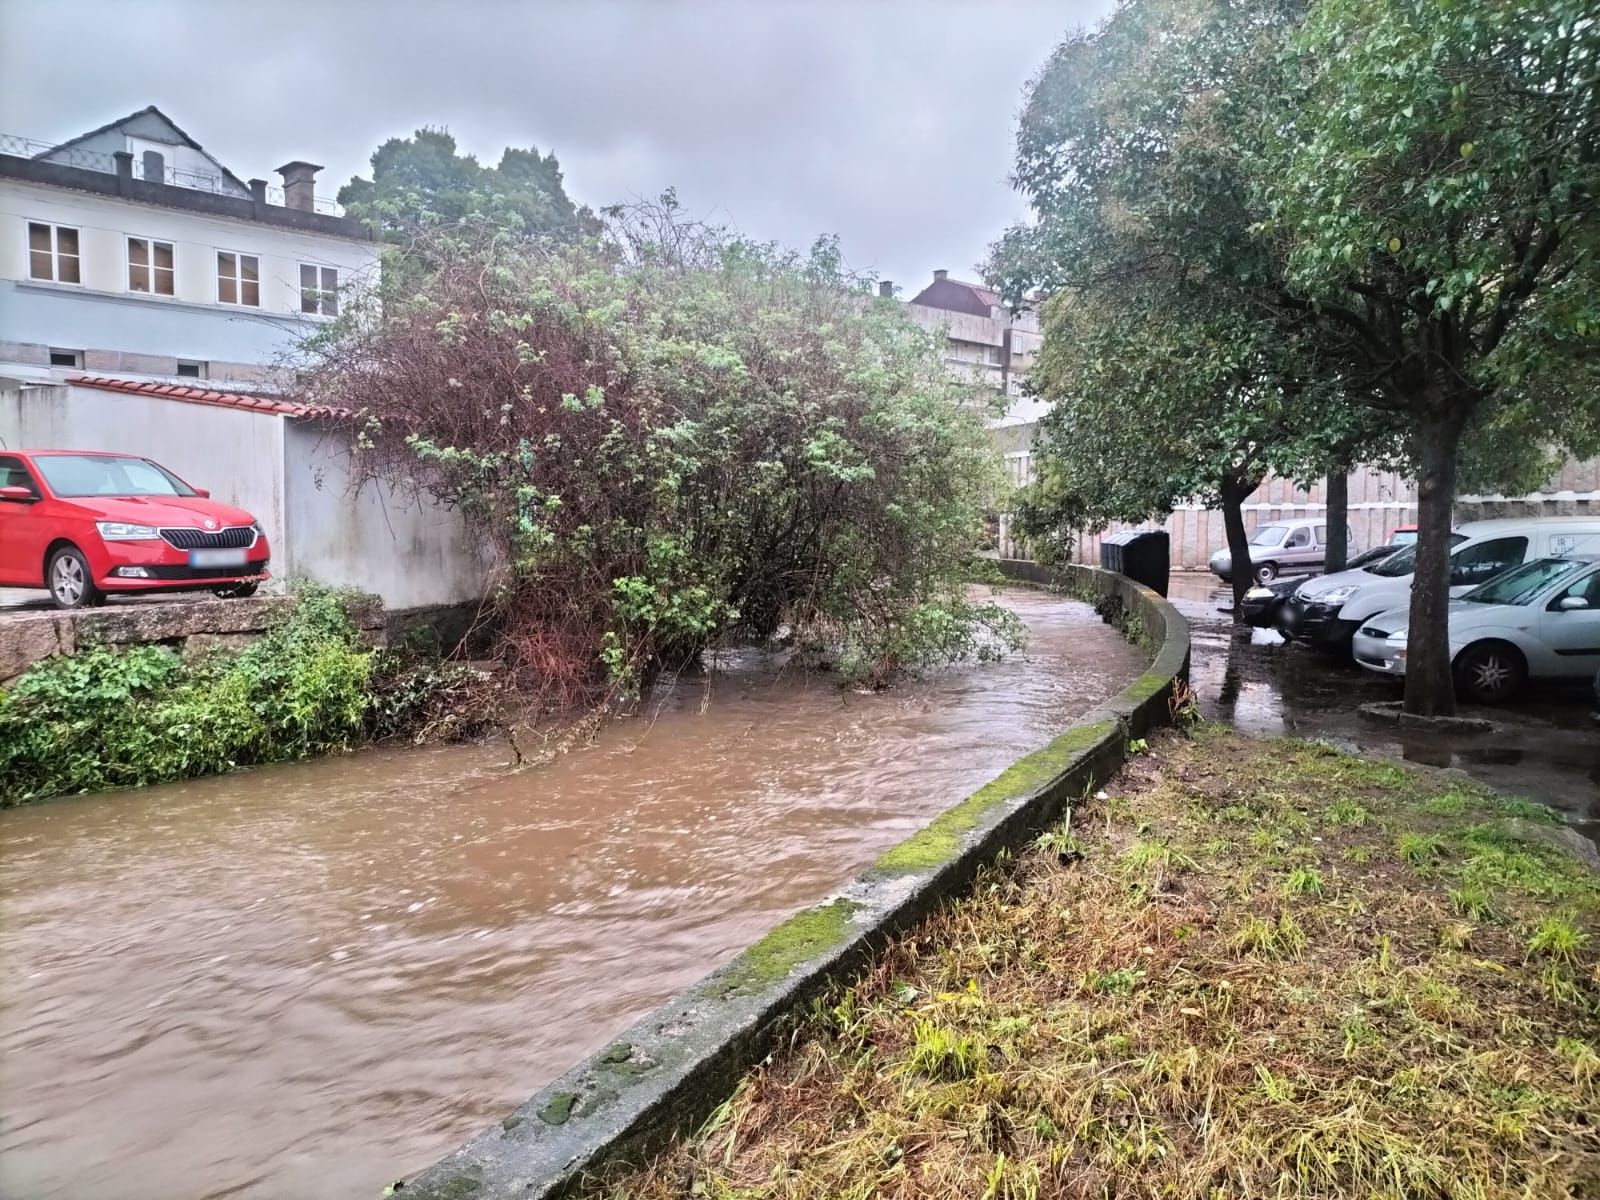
(305, 981)
(1545, 746)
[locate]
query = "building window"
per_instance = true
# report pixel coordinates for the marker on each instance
(149, 266)
(319, 290)
(53, 253)
(191, 370)
(66, 358)
(238, 279)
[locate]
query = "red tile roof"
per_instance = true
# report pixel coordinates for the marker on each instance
(248, 401)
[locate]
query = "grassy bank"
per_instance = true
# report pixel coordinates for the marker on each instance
(1252, 968)
(109, 717)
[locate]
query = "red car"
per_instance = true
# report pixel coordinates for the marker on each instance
(82, 524)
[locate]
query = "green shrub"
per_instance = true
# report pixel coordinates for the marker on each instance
(107, 717)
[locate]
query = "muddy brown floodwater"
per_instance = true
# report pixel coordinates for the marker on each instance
(306, 981)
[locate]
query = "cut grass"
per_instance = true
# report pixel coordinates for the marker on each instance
(1170, 1007)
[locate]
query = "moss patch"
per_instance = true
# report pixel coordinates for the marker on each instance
(559, 1108)
(942, 839)
(802, 937)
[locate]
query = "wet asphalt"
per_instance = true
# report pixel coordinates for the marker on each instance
(1544, 746)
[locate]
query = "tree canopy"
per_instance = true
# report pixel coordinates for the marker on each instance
(1430, 181)
(1170, 379)
(423, 180)
(1392, 201)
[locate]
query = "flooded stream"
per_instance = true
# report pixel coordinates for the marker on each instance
(305, 981)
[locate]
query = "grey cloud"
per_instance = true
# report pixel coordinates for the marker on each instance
(890, 124)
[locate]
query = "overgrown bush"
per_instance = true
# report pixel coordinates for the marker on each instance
(108, 717)
(673, 437)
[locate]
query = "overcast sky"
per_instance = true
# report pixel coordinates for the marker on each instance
(890, 124)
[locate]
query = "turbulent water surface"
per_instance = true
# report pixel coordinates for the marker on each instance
(305, 981)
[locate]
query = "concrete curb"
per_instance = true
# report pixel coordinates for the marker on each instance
(672, 1068)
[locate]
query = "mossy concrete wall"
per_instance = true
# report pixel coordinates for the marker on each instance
(667, 1073)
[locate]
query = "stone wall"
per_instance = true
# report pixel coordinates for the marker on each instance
(189, 626)
(663, 1076)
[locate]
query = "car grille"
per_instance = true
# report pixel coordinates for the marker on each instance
(234, 537)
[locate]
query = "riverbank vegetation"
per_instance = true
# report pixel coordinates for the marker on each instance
(1249, 968)
(670, 437)
(110, 717)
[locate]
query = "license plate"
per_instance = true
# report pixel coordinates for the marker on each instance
(216, 558)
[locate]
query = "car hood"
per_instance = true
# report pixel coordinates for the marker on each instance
(1321, 585)
(182, 511)
(1461, 615)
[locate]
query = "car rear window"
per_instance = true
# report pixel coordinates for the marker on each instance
(108, 475)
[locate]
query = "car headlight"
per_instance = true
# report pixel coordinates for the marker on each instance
(122, 531)
(1399, 635)
(1258, 593)
(1339, 594)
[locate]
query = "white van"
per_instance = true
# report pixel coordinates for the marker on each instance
(1327, 610)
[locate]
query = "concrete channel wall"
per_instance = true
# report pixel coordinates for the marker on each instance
(667, 1073)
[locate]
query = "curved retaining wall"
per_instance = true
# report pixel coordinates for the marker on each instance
(671, 1069)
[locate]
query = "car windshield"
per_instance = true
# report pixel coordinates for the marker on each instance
(1404, 537)
(108, 475)
(1268, 535)
(1521, 584)
(1404, 562)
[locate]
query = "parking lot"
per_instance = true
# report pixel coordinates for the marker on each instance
(1545, 746)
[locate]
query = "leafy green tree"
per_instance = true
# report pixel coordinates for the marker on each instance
(1172, 377)
(422, 181)
(1429, 182)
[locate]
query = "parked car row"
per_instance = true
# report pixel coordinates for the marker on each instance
(1525, 605)
(86, 524)
(1540, 620)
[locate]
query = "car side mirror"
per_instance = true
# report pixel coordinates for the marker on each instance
(203, 493)
(1567, 604)
(17, 495)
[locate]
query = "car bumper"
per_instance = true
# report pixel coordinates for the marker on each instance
(156, 566)
(1261, 611)
(1379, 654)
(1316, 623)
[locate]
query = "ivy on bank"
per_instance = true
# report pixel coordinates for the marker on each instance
(121, 717)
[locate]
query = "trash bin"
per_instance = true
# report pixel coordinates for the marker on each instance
(1143, 555)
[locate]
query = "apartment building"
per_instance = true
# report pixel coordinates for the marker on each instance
(132, 251)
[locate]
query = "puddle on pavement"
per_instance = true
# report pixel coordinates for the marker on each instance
(304, 981)
(1545, 747)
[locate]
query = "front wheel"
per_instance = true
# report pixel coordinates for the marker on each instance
(70, 580)
(1490, 672)
(1265, 573)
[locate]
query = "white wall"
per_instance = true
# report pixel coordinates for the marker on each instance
(406, 549)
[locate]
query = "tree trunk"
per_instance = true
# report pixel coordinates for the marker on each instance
(1338, 550)
(1430, 687)
(1233, 497)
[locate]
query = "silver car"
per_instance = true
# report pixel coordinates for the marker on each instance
(1282, 547)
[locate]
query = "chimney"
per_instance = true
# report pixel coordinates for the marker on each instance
(300, 185)
(886, 288)
(940, 275)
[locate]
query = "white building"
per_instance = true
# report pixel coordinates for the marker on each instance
(133, 266)
(132, 251)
